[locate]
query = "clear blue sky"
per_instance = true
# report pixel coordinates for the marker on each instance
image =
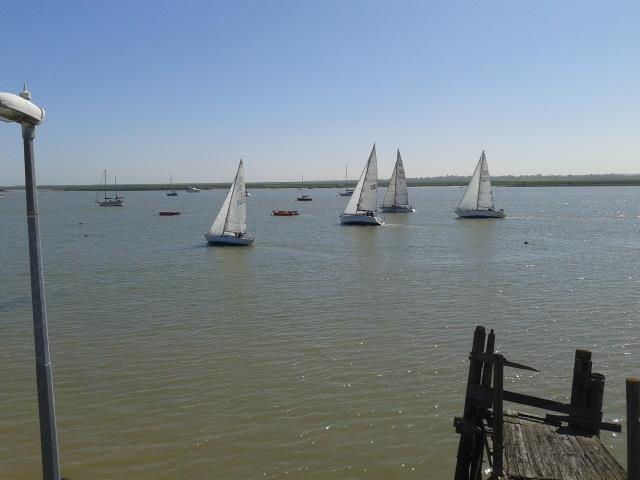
(153, 88)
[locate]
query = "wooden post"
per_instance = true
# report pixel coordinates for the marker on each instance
(465, 447)
(596, 396)
(579, 387)
(487, 371)
(498, 437)
(633, 428)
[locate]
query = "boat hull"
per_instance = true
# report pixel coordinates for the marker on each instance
(360, 219)
(172, 194)
(348, 193)
(228, 240)
(119, 202)
(398, 209)
(284, 213)
(480, 213)
(304, 198)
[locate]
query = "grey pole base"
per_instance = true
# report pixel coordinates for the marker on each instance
(46, 409)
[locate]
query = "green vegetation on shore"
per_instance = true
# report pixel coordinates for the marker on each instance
(612, 179)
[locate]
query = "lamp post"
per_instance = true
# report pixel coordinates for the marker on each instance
(20, 109)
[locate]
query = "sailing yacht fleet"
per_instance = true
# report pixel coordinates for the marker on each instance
(230, 224)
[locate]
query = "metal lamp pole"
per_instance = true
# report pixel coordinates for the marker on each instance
(46, 410)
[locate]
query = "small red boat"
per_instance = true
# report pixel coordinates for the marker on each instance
(284, 213)
(168, 214)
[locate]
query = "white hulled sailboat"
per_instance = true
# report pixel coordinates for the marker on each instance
(364, 202)
(230, 226)
(397, 197)
(477, 201)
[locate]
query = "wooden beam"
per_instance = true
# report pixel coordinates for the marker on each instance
(498, 410)
(633, 428)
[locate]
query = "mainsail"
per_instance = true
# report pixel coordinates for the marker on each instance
(397, 193)
(478, 195)
(364, 196)
(232, 217)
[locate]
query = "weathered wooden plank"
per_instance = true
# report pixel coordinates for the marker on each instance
(599, 457)
(535, 451)
(540, 465)
(511, 464)
(524, 460)
(548, 456)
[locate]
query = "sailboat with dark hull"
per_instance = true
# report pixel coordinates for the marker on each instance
(364, 202)
(171, 192)
(230, 225)
(302, 197)
(106, 200)
(477, 200)
(396, 199)
(347, 191)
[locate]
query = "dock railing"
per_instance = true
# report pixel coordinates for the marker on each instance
(484, 409)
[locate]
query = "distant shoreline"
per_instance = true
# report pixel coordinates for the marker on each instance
(611, 180)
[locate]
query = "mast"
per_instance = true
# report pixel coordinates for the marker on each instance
(346, 176)
(395, 192)
(479, 183)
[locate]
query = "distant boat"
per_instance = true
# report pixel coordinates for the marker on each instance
(230, 226)
(397, 197)
(107, 201)
(192, 190)
(477, 200)
(363, 203)
(284, 213)
(171, 192)
(303, 197)
(168, 213)
(347, 191)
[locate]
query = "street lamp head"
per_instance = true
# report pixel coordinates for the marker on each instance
(20, 108)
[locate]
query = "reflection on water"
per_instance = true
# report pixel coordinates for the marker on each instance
(324, 350)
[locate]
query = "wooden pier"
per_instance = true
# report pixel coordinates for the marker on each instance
(561, 445)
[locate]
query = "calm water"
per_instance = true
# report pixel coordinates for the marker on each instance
(322, 352)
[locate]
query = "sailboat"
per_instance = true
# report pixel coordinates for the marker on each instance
(477, 201)
(303, 197)
(347, 191)
(108, 201)
(397, 197)
(171, 193)
(230, 226)
(364, 202)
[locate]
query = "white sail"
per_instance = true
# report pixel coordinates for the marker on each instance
(397, 193)
(485, 194)
(232, 217)
(469, 200)
(364, 196)
(237, 218)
